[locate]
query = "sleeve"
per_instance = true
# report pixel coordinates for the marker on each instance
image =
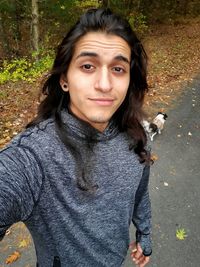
(142, 214)
(20, 183)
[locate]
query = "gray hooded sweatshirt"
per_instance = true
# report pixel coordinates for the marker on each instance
(71, 226)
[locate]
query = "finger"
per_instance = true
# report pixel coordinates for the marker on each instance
(133, 248)
(133, 257)
(138, 260)
(146, 261)
(138, 253)
(133, 251)
(142, 261)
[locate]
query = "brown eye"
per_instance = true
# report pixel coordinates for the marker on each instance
(87, 67)
(118, 69)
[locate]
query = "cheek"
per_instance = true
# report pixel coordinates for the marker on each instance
(75, 96)
(78, 84)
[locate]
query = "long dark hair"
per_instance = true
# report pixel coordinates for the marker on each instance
(130, 114)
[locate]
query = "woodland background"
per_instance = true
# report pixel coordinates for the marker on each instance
(31, 30)
(27, 26)
(29, 34)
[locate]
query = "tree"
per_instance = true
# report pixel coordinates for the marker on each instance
(16, 25)
(3, 37)
(35, 26)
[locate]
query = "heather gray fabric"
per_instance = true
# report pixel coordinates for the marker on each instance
(38, 185)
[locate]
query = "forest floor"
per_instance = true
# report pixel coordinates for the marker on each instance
(174, 57)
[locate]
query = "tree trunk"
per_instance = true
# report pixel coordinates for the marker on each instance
(138, 5)
(3, 38)
(35, 26)
(185, 7)
(16, 26)
(181, 7)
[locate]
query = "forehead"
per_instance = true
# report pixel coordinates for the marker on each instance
(103, 44)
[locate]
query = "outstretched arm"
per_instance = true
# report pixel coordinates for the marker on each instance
(20, 178)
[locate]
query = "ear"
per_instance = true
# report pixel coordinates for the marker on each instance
(63, 83)
(165, 116)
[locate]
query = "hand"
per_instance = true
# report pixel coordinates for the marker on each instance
(137, 255)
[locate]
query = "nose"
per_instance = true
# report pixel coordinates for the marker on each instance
(103, 82)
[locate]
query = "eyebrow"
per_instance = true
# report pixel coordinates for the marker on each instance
(92, 54)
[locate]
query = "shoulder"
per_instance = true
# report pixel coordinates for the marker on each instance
(38, 134)
(33, 141)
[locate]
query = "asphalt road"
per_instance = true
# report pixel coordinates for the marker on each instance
(175, 185)
(174, 190)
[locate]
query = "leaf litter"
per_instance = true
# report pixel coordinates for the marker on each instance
(172, 65)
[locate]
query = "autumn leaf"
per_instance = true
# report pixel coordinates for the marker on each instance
(23, 243)
(8, 124)
(13, 257)
(2, 141)
(162, 110)
(154, 157)
(181, 234)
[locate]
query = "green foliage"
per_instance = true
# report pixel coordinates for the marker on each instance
(138, 22)
(57, 16)
(25, 69)
(86, 4)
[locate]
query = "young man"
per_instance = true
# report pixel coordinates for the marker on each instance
(78, 175)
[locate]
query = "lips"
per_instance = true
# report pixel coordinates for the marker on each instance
(102, 101)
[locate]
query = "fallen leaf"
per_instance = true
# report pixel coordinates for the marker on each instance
(162, 110)
(23, 243)
(181, 234)
(154, 157)
(13, 257)
(2, 141)
(166, 184)
(8, 124)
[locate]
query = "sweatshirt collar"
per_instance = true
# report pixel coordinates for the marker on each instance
(83, 130)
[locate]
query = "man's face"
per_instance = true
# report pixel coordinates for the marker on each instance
(98, 77)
